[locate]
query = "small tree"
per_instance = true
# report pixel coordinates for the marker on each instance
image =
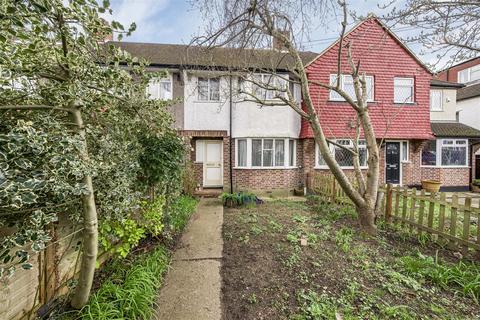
(251, 24)
(450, 29)
(70, 116)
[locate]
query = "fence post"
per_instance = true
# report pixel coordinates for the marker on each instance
(466, 222)
(388, 204)
(334, 189)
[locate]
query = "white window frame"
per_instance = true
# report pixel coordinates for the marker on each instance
(265, 78)
(332, 148)
(157, 82)
(286, 153)
(209, 87)
(467, 74)
(438, 157)
(412, 101)
(334, 96)
(432, 92)
(199, 151)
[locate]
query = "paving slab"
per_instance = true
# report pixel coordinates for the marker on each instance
(192, 288)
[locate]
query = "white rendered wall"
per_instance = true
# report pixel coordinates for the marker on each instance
(470, 112)
(449, 103)
(248, 118)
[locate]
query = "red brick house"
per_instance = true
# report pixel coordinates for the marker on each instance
(400, 88)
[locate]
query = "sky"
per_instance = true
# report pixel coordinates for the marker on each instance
(176, 21)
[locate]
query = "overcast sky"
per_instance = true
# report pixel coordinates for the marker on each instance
(175, 21)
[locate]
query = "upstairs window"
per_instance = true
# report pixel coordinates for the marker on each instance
(209, 89)
(403, 90)
(436, 100)
(160, 89)
(276, 86)
(346, 84)
(469, 75)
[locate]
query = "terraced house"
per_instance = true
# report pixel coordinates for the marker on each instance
(240, 144)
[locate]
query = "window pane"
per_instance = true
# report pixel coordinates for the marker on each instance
(475, 73)
(436, 100)
(333, 94)
(165, 90)
(291, 149)
(242, 153)
(362, 154)
(403, 90)
(454, 156)
(256, 152)
(370, 88)
(202, 89)
(404, 151)
(268, 152)
(348, 87)
(320, 159)
(429, 154)
(343, 157)
(279, 152)
(152, 89)
(215, 89)
(258, 91)
(463, 76)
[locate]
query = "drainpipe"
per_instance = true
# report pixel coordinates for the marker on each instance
(230, 135)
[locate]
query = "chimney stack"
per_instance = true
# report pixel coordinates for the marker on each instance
(279, 44)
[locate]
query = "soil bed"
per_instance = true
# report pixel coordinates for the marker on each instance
(289, 260)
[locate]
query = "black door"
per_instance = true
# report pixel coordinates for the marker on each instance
(392, 162)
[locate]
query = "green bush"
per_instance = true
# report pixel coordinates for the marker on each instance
(131, 291)
(238, 199)
(179, 212)
(476, 182)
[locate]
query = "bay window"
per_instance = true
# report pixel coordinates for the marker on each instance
(446, 153)
(343, 157)
(265, 153)
(403, 90)
(346, 84)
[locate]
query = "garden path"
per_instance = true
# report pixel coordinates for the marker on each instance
(192, 288)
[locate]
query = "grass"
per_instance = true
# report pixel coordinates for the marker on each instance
(338, 273)
(130, 292)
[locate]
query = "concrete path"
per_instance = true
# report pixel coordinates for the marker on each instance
(192, 286)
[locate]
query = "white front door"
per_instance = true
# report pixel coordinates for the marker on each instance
(212, 164)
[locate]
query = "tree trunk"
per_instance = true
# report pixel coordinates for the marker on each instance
(90, 232)
(366, 217)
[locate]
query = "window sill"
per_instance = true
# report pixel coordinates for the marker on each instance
(404, 103)
(265, 168)
(207, 101)
(348, 168)
(445, 167)
(344, 101)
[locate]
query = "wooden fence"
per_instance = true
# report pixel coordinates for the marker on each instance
(452, 219)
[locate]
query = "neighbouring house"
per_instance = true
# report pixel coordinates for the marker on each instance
(235, 143)
(467, 73)
(243, 145)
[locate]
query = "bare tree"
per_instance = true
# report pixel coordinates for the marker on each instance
(253, 24)
(450, 29)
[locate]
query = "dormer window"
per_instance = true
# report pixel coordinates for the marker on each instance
(436, 100)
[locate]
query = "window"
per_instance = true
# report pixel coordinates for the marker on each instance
(436, 100)
(346, 84)
(469, 75)
(160, 89)
(404, 151)
(268, 81)
(265, 153)
(242, 153)
(451, 152)
(199, 150)
(344, 157)
(454, 153)
(291, 151)
(209, 89)
(403, 90)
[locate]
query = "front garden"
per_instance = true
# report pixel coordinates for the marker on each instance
(307, 260)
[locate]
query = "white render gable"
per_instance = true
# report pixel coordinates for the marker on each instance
(249, 119)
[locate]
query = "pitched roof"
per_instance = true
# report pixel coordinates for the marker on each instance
(175, 55)
(454, 130)
(387, 29)
(468, 92)
(445, 84)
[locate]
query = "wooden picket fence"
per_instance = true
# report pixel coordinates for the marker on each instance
(454, 220)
